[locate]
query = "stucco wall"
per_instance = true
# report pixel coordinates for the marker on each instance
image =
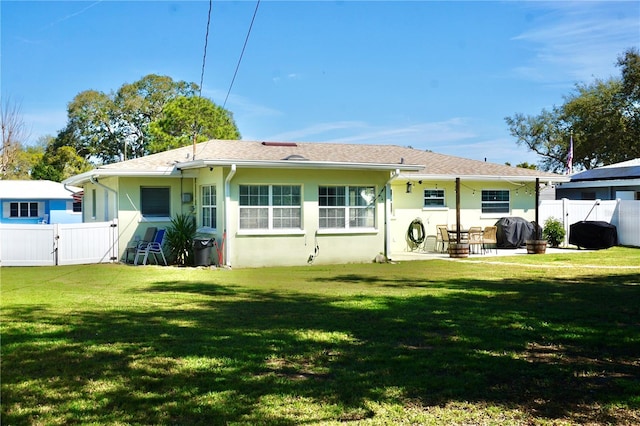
(254, 248)
(409, 206)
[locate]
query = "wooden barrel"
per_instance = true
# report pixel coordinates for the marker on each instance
(459, 250)
(536, 246)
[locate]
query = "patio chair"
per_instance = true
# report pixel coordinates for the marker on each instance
(476, 239)
(154, 247)
(489, 236)
(148, 237)
(444, 236)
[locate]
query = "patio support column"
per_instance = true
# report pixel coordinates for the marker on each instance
(538, 236)
(458, 209)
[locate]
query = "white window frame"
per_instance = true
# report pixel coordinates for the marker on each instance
(262, 211)
(340, 210)
(209, 209)
(29, 205)
(425, 197)
(492, 200)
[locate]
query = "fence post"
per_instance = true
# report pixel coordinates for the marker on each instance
(565, 221)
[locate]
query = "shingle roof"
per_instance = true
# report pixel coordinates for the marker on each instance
(34, 190)
(237, 151)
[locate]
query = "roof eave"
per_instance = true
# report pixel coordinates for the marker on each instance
(299, 164)
(98, 173)
(448, 177)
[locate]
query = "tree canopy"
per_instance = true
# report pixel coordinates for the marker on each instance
(602, 118)
(151, 115)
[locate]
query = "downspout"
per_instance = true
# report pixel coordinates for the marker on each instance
(387, 212)
(227, 209)
(115, 197)
(114, 221)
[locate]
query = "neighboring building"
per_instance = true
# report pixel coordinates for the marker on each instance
(38, 201)
(616, 181)
(281, 203)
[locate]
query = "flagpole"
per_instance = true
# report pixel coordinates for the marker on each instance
(570, 155)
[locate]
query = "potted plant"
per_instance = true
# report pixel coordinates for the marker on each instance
(553, 231)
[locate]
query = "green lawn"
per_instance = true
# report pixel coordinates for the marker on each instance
(538, 339)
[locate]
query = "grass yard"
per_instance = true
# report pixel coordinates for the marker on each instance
(521, 340)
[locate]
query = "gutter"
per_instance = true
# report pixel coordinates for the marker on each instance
(448, 177)
(227, 209)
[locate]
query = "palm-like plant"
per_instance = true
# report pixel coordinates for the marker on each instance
(179, 238)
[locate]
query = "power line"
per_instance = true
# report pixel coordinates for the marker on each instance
(241, 54)
(204, 55)
(204, 61)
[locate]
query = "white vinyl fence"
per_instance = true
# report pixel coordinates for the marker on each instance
(624, 214)
(58, 244)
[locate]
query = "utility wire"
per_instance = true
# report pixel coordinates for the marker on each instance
(204, 55)
(241, 54)
(204, 61)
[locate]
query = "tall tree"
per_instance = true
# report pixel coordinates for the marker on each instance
(59, 163)
(111, 127)
(14, 134)
(602, 118)
(184, 119)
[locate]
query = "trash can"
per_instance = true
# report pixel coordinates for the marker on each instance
(202, 251)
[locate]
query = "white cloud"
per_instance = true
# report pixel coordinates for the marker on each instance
(578, 41)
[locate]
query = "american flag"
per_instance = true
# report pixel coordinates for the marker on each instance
(570, 156)
(77, 196)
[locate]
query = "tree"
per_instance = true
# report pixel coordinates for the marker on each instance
(59, 163)
(109, 128)
(14, 134)
(602, 118)
(184, 119)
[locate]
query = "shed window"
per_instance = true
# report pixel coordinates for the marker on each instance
(23, 209)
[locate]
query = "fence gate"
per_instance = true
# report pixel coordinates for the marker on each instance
(58, 244)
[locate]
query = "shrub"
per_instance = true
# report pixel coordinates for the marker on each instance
(179, 238)
(553, 231)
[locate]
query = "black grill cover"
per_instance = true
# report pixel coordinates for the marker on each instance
(513, 232)
(593, 234)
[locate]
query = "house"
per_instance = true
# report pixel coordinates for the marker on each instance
(39, 201)
(615, 181)
(285, 203)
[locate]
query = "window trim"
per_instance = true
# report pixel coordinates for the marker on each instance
(433, 207)
(213, 207)
(161, 215)
(39, 209)
(348, 228)
(270, 207)
(489, 202)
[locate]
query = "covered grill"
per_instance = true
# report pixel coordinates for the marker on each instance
(593, 234)
(513, 232)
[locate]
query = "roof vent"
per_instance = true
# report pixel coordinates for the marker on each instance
(295, 157)
(279, 144)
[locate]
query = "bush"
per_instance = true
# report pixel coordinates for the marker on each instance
(553, 231)
(179, 238)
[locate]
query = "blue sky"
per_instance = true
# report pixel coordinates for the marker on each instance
(432, 75)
